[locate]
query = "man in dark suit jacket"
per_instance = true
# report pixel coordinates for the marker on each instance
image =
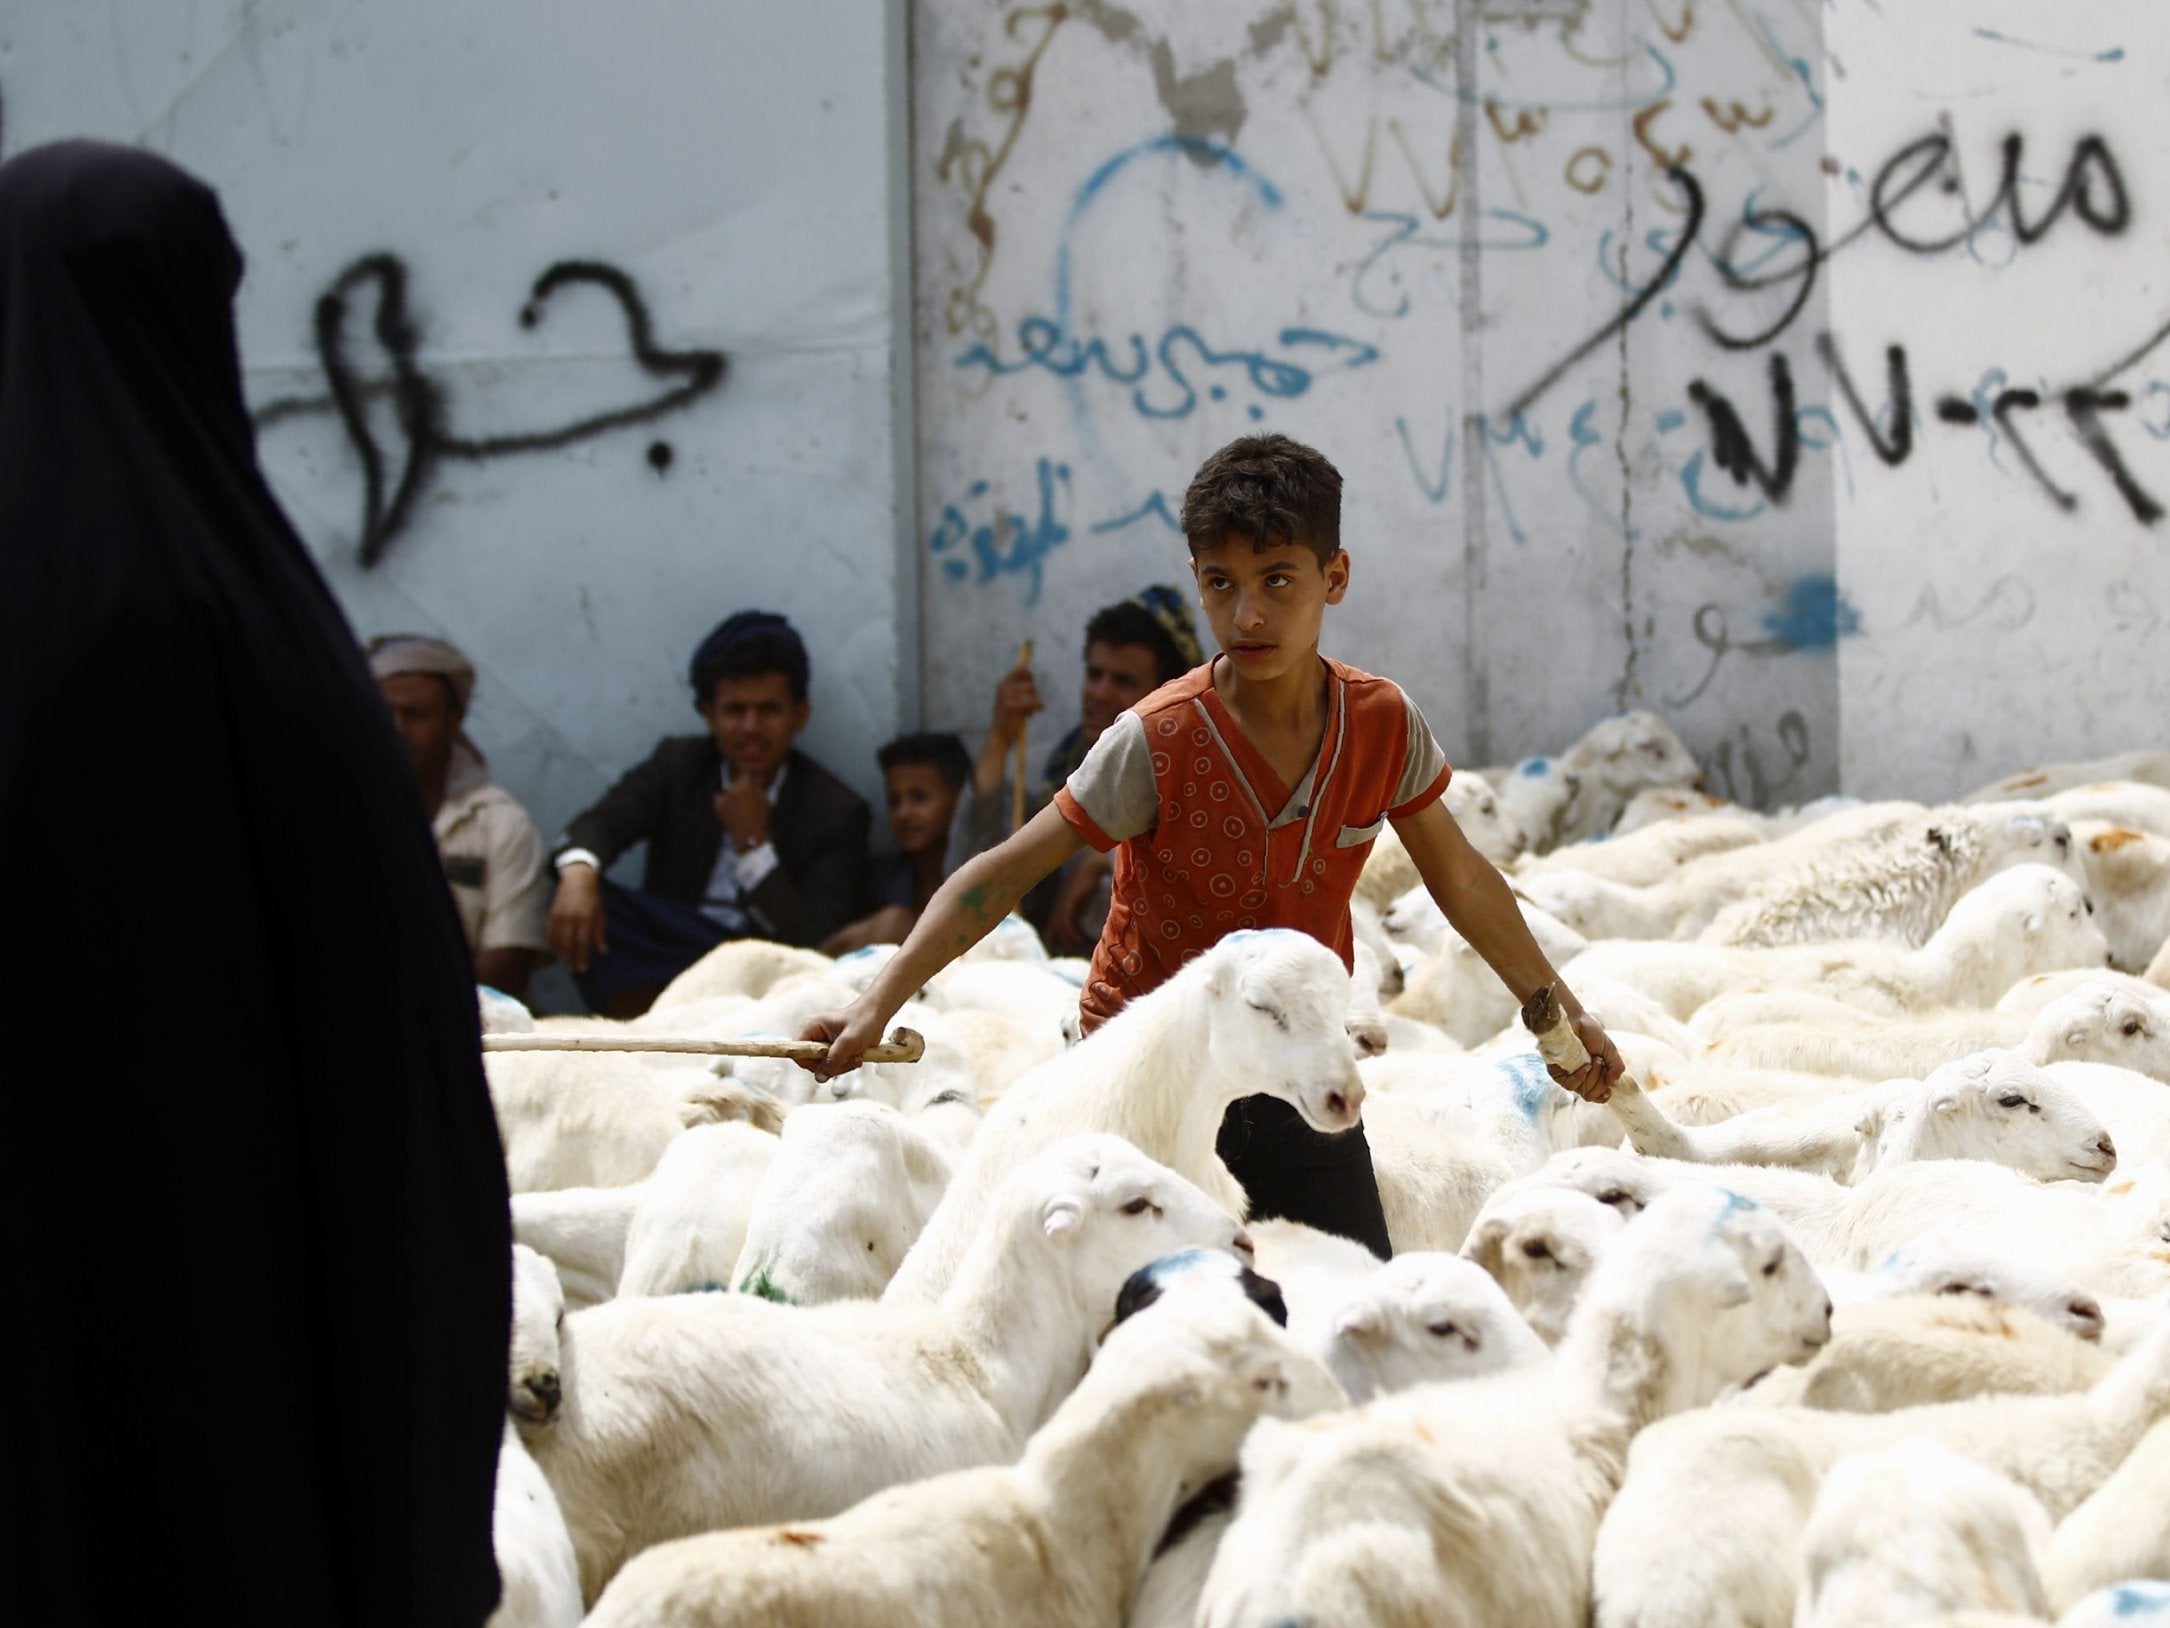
(747, 836)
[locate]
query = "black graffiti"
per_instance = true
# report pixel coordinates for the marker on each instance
(1713, 633)
(2092, 189)
(420, 402)
(1735, 769)
(1690, 190)
(1735, 451)
(1891, 433)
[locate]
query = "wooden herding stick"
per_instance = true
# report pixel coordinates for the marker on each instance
(902, 1046)
(1017, 786)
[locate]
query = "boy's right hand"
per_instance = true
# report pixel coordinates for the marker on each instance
(576, 917)
(848, 1034)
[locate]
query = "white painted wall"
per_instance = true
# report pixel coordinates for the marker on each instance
(734, 160)
(1379, 232)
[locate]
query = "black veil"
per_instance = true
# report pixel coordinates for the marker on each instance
(253, 1232)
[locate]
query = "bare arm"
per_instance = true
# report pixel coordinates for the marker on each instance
(1480, 907)
(964, 910)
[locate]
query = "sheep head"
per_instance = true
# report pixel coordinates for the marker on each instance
(1947, 1261)
(1541, 1245)
(538, 1313)
(1996, 1105)
(1423, 1316)
(1276, 1023)
(1108, 1210)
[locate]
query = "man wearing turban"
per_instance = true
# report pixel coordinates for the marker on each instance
(492, 853)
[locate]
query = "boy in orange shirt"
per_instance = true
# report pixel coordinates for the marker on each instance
(1245, 794)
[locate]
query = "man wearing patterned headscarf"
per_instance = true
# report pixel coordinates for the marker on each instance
(1131, 648)
(492, 853)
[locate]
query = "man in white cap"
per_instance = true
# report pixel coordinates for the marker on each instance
(492, 853)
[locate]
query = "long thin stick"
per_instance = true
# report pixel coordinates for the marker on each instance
(902, 1046)
(1017, 785)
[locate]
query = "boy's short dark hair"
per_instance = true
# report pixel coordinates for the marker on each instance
(939, 750)
(1270, 489)
(1131, 623)
(746, 644)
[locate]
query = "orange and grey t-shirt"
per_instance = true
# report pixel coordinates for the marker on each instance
(1208, 839)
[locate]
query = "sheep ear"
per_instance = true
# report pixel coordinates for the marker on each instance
(1061, 1215)
(2076, 1036)
(1483, 1246)
(2032, 923)
(1359, 1318)
(1947, 1101)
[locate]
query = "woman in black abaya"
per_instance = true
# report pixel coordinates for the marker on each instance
(253, 1231)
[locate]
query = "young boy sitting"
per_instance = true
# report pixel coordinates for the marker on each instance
(937, 818)
(1245, 794)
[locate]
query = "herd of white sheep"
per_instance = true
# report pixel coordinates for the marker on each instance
(1851, 1307)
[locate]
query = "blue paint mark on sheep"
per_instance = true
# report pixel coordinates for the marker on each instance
(1533, 1087)
(1533, 765)
(1734, 1205)
(1815, 616)
(2140, 1600)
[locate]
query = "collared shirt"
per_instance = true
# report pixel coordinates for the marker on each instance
(493, 858)
(1209, 840)
(737, 874)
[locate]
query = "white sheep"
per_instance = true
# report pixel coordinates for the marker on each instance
(2147, 766)
(1615, 759)
(1420, 1317)
(2130, 803)
(1059, 1538)
(685, 1413)
(1902, 887)
(540, 1579)
(584, 1119)
(1989, 1105)
(850, 1188)
(1540, 795)
(2128, 877)
(1912, 1350)
(1001, 1048)
(1541, 1245)
(582, 1230)
(1914, 1529)
(2096, 1020)
(1476, 1502)
(2121, 1531)
(1658, 805)
(534, 1386)
(691, 1217)
(1952, 1261)
(2029, 995)
(1646, 856)
(1457, 991)
(1707, 1526)
(1388, 871)
(741, 966)
(1492, 830)
(1260, 1012)
(2024, 920)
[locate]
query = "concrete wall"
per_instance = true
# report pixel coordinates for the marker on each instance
(1566, 287)
(701, 415)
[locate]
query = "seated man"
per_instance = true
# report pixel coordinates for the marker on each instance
(1131, 649)
(492, 853)
(939, 822)
(747, 837)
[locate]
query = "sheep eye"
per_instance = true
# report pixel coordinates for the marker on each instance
(1770, 1269)
(1615, 1197)
(1443, 1329)
(1279, 1021)
(1537, 1250)
(1138, 1206)
(2012, 1101)
(2131, 1027)
(2090, 905)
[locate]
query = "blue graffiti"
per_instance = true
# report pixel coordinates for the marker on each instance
(1518, 431)
(2152, 408)
(1627, 102)
(1815, 615)
(1046, 345)
(1434, 490)
(1004, 544)
(1528, 233)
(2113, 54)
(1155, 504)
(1582, 434)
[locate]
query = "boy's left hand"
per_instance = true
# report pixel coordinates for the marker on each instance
(1594, 1081)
